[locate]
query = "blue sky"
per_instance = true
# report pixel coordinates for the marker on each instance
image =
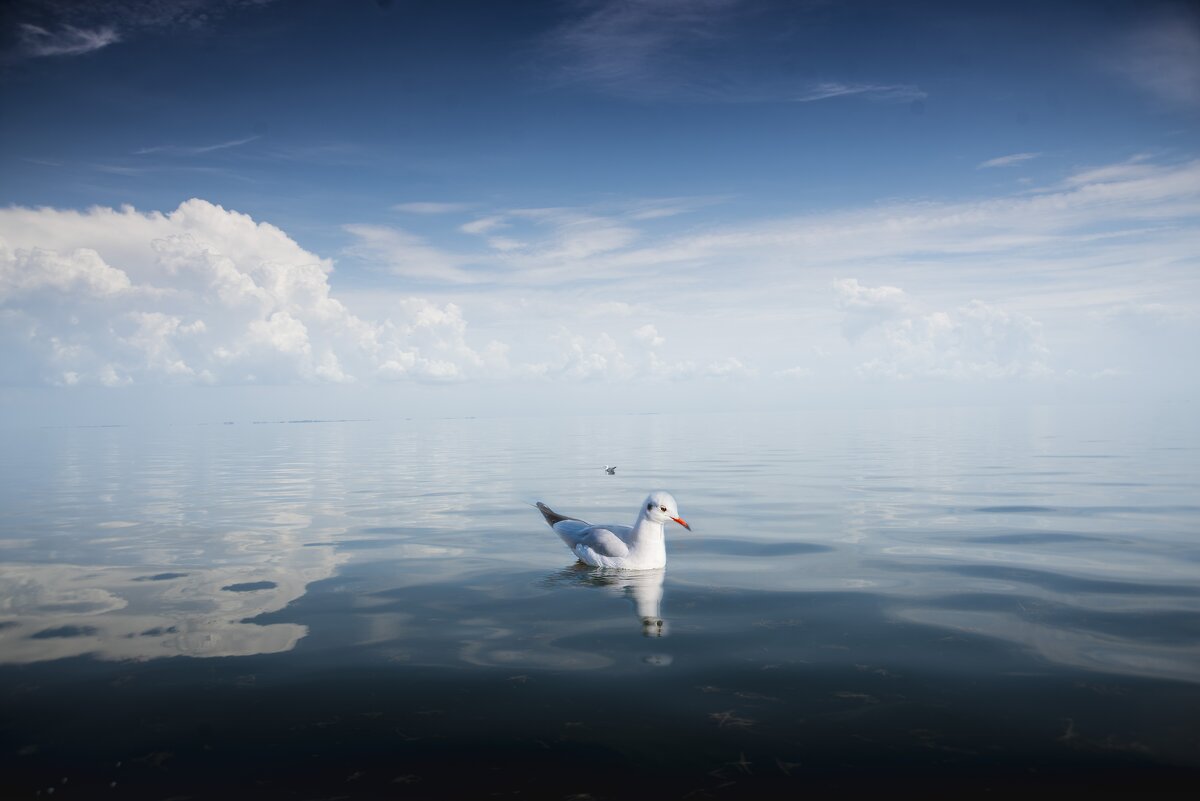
(331, 208)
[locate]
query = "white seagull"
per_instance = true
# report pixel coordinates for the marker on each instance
(642, 546)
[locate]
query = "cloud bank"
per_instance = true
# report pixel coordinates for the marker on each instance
(1090, 275)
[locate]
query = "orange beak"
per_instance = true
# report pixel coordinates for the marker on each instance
(682, 522)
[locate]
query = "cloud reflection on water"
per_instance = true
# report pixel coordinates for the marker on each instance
(123, 616)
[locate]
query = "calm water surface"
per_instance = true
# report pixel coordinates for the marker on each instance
(939, 601)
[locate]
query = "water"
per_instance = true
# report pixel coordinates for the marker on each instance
(961, 600)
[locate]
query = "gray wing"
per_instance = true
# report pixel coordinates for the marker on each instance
(602, 540)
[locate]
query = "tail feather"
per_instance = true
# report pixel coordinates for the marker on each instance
(552, 516)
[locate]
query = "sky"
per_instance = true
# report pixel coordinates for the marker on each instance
(282, 209)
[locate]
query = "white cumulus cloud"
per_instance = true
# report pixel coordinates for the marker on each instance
(865, 307)
(204, 295)
(33, 270)
(649, 335)
(974, 341)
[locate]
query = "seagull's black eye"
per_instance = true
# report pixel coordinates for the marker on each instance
(649, 506)
(663, 508)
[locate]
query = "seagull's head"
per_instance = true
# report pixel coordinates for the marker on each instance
(661, 508)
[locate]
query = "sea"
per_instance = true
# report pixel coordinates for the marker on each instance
(945, 602)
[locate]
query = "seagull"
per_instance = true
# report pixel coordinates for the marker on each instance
(612, 471)
(640, 547)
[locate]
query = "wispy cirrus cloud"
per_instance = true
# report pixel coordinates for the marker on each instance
(554, 244)
(132, 170)
(638, 48)
(67, 40)
(887, 93)
(194, 150)
(483, 225)
(1162, 57)
(47, 28)
(703, 51)
(1006, 161)
(431, 207)
(408, 255)
(1106, 219)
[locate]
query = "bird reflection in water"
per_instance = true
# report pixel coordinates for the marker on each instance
(643, 587)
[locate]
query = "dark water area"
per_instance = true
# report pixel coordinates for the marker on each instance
(938, 603)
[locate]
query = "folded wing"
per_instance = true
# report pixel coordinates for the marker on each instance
(600, 542)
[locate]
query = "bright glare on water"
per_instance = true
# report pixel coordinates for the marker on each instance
(964, 599)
